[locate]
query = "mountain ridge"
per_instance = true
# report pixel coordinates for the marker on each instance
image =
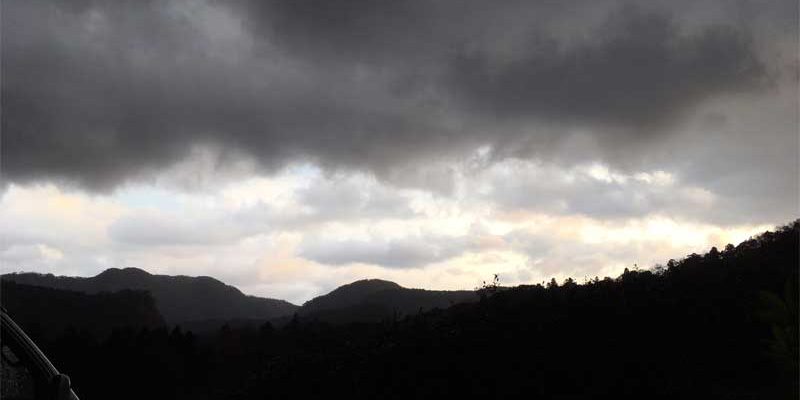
(204, 301)
(179, 298)
(370, 300)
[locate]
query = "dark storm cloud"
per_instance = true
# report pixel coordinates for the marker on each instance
(100, 93)
(640, 73)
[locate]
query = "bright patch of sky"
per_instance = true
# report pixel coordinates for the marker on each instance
(301, 232)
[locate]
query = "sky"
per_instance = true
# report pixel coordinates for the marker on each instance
(289, 147)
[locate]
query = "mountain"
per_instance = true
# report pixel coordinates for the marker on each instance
(204, 303)
(723, 324)
(180, 299)
(48, 311)
(348, 295)
(374, 299)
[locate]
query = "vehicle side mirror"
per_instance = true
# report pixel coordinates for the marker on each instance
(60, 387)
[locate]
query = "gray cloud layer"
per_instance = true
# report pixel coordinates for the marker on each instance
(640, 73)
(411, 252)
(100, 93)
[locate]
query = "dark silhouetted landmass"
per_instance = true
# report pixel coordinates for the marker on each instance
(372, 300)
(722, 325)
(348, 295)
(42, 310)
(180, 299)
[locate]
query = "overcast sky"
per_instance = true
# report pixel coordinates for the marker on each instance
(290, 146)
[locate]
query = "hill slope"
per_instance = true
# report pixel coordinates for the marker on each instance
(48, 311)
(374, 299)
(179, 298)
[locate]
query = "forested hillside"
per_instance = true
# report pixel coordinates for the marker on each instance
(50, 312)
(180, 299)
(373, 300)
(718, 325)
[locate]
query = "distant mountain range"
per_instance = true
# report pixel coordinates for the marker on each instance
(204, 303)
(180, 299)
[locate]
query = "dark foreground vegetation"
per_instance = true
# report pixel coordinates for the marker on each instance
(722, 325)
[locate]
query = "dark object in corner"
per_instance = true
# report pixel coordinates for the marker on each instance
(26, 371)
